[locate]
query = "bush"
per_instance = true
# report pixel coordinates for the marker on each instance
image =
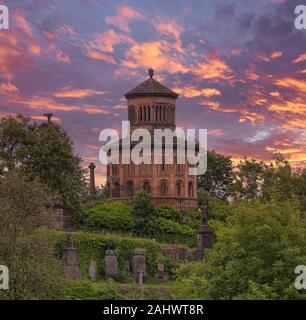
(85, 290)
(169, 231)
(254, 256)
(110, 216)
(144, 213)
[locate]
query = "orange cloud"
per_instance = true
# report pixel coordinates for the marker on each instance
(97, 110)
(153, 54)
(77, 93)
(61, 56)
(289, 106)
(22, 23)
(173, 29)
(97, 55)
(292, 83)
(106, 41)
(214, 68)
(272, 56)
(275, 94)
(253, 117)
(7, 88)
(190, 92)
(124, 15)
(216, 132)
(119, 107)
(42, 103)
(35, 49)
(300, 58)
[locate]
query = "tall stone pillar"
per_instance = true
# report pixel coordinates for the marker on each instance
(92, 184)
(204, 235)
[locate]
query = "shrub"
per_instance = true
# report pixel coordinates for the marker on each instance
(85, 290)
(169, 231)
(110, 216)
(144, 213)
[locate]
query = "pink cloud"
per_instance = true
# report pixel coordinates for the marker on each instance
(124, 15)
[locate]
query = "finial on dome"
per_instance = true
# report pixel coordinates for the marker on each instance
(151, 73)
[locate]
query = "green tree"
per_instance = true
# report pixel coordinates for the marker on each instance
(144, 213)
(218, 175)
(35, 273)
(254, 256)
(44, 151)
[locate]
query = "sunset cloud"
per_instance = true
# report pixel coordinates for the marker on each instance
(190, 92)
(77, 93)
(124, 15)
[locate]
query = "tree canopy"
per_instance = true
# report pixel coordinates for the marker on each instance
(44, 151)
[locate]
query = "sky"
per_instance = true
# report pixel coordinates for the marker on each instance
(239, 67)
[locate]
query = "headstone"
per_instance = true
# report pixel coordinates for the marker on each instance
(139, 262)
(126, 266)
(139, 266)
(73, 271)
(111, 264)
(139, 278)
(92, 271)
(161, 275)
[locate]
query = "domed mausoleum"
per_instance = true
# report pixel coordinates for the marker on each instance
(151, 105)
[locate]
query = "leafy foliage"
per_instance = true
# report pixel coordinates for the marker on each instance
(144, 213)
(254, 256)
(35, 273)
(218, 175)
(110, 216)
(44, 151)
(85, 290)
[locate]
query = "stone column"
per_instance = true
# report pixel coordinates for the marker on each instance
(204, 235)
(72, 265)
(92, 184)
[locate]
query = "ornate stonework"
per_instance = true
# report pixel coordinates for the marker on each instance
(151, 105)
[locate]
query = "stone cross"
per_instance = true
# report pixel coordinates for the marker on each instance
(49, 116)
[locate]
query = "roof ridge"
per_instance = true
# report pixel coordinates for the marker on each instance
(151, 87)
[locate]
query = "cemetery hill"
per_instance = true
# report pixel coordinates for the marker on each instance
(150, 231)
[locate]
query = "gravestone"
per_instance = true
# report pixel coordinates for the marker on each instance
(73, 271)
(161, 275)
(111, 264)
(139, 262)
(139, 278)
(139, 266)
(126, 266)
(92, 271)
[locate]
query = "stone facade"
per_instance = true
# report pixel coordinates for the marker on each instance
(152, 106)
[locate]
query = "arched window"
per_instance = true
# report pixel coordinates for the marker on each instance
(163, 188)
(147, 187)
(129, 188)
(179, 188)
(116, 190)
(190, 189)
